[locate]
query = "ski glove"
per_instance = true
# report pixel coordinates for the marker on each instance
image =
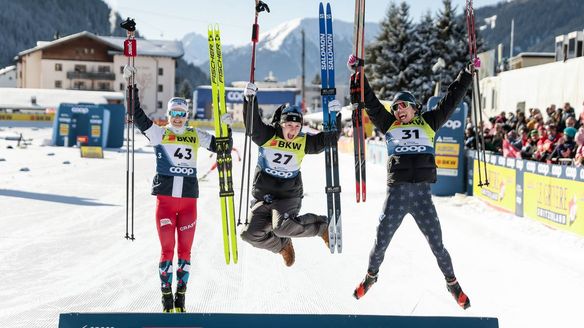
(227, 119)
(353, 62)
(129, 71)
(277, 114)
(136, 95)
(334, 106)
(250, 90)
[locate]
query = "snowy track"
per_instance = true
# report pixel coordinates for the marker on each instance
(62, 250)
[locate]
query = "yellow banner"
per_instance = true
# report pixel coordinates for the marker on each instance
(91, 152)
(447, 149)
(501, 189)
(555, 202)
(447, 162)
(63, 129)
(95, 131)
(26, 117)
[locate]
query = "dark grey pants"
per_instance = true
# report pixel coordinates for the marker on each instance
(272, 225)
(415, 199)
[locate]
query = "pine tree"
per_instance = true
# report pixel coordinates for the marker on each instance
(424, 57)
(388, 57)
(451, 43)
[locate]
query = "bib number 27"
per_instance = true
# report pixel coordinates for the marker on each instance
(279, 157)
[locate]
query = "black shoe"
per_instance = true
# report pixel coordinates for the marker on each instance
(364, 286)
(179, 299)
(454, 288)
(167, 301)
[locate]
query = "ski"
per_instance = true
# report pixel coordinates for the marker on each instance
(224, 161)
(328, 92)
(358, 91)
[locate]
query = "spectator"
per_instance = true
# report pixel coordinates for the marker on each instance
(531, 146)
(565, 149)
(579, 155)
(470, 140)
(547, 144)
(512, 145)
(571, 122)
(501, 118)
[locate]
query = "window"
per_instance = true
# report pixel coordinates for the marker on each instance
(103, 69)
(160, 71)
(160, 88)
(80, 68)
(58, 67)
(58, 84)
(79, 85)
(121, 69)
(103, 86)
(121, 87)
(159, 105)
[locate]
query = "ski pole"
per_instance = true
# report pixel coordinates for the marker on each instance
(259, 7)
(130, 51)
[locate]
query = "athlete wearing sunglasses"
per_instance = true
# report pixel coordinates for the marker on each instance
(411, 168)
(176, 188)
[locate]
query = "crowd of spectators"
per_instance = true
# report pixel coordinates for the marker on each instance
(559, 139)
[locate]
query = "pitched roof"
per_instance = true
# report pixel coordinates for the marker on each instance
(160, 48)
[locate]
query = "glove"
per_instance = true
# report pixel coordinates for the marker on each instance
(227, 119)
(355, 88)
(334, 106)
(353, 62)
(277, 114)
(129, 71)
(250, 90)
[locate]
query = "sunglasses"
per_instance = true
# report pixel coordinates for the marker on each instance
(402, 105)
(177, 113)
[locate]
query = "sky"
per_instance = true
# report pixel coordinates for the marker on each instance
(173, 19)
(63, 222)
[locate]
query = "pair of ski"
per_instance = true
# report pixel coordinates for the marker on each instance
(357, 88)
(224, 161)
(328, 92)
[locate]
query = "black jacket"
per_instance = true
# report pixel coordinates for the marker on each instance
(422, 167)
(266, 184)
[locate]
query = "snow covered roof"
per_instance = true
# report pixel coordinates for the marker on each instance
(160, 48)
(22, 98)
(7, 69)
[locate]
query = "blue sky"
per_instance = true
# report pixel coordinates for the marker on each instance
(172, 19)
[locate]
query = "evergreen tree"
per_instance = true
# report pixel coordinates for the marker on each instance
(186, 91)
(388, 58)
(451, 44)
(424, 57)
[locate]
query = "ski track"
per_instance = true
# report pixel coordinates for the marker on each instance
(64, 250)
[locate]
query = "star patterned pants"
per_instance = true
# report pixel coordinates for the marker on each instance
(415, 199)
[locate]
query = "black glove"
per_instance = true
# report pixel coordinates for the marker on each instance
(355, 88)
(277, 114)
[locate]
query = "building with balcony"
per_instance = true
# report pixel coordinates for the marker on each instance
(89, 62)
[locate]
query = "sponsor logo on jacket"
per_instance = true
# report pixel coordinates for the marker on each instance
(182, 170)
(286, 144)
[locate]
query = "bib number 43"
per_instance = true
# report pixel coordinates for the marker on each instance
(183, 153)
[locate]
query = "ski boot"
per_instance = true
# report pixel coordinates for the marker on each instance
(167, 302)
(325, 237)
(364, 286)
(179, 299)
(288, 254)
(454, 288)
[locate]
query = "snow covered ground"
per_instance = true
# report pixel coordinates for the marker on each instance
(62, 224)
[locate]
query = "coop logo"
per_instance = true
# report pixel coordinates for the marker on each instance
(530, 166)
(450, 124)
(279, 174)
(165, 221)
(80, 110)
(182, 170)
(543, 169)
(556, 171)
(234, 96)
(410, 149)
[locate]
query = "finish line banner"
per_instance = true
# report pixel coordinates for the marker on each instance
(212, 320)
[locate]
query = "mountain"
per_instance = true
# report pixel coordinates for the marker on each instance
(279, 51)
(196, 49)
(537, 23)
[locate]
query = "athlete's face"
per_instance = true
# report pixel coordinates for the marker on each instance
(403, 111)
(177, 118)
(290, 130)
